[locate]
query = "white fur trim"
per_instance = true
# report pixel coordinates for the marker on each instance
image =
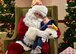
(6, 52)
(24, 46)
(28, 41)
(40, 8)
(30, 36)
(31, 33)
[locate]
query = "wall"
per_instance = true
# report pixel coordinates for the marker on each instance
(59, 3)
(61, 8)
(63, 28)
(27, 3)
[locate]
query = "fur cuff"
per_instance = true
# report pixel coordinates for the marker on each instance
(31, 33)
(24, 46)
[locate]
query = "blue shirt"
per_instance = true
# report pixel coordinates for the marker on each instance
(44, 26)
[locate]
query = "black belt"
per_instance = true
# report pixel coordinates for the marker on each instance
(25, 44)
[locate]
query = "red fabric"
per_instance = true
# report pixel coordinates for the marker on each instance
(22, 28)
(12, 52)
(45, 48)
(15, 48)
(1, 52)
(58, 32)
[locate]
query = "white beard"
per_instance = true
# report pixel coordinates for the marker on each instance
(31, 20)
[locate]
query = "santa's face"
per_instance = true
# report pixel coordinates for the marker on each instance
(38, 15)
(35, 20)
(32, 20)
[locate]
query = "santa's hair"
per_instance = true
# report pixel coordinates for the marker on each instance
(31, 20)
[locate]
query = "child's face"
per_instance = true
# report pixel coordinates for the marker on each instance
(46, 20)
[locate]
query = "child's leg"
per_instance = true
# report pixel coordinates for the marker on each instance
(37, 46)
(39, 42)
(35, 43)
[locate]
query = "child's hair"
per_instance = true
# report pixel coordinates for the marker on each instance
(49, 17)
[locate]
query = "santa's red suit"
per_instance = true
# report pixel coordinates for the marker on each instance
(30, 20)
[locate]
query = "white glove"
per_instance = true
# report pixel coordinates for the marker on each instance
(42, 34)
(35, 31)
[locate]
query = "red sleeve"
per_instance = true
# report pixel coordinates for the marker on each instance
(22, 28)
(58, 32)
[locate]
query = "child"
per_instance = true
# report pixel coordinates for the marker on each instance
(46, 23)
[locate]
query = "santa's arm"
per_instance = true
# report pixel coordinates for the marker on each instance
(42, 34)
(32, 32)
(22, 28)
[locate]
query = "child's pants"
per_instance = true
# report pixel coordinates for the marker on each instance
(38, 42)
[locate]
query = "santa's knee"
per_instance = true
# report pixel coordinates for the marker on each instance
(15, 48)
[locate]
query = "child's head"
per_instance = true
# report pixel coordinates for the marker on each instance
(47, 19)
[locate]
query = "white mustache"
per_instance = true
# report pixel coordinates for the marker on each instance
(40, 20)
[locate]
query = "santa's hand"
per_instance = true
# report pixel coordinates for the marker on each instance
(43, 34)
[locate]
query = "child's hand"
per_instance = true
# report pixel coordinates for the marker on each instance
(49, 26)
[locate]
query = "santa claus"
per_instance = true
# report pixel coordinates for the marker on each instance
(28, 29)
